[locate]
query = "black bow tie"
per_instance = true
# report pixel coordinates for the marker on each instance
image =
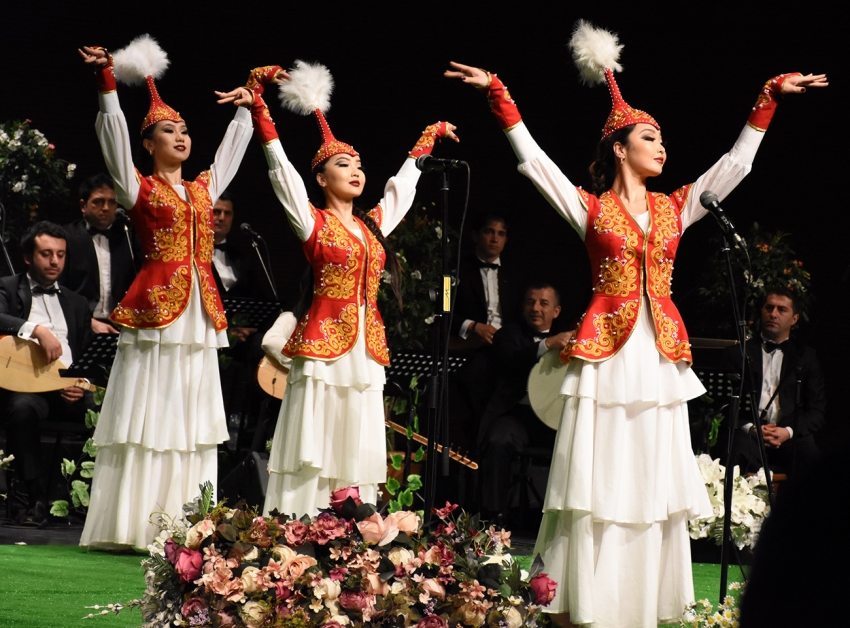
(222, 246)
(770, 346)
(93, 231)
(43, 290)
(487, 265)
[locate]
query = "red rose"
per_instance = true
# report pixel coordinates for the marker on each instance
(171, 548)
(281, 591)
(339, 496)
(544, 588)
(432, 621)
(354, 600)
(188, 566)
(295, 533)
(326, 528)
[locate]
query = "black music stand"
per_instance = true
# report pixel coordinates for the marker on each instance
(243, 312)
(96, 361)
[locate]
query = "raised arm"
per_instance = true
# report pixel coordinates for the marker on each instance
(533, 162)
(401, 189)
(111, 127)
(730, 169)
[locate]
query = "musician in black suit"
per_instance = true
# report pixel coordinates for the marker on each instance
(103, 252)
(34, 307)
(789, 391)
(508, 423)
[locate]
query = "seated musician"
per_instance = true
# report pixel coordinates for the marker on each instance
(34, 307)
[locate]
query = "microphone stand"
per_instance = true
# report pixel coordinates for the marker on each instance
(265, 268)
(3, 239)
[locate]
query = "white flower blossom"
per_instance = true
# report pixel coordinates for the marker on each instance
(19, 186)
(416, 275)
(439, 231)
(430, 320)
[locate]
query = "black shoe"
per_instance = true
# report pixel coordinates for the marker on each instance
(35, 516)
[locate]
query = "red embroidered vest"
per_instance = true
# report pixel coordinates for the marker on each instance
(341, 266)
(629, 263)
(175, 236)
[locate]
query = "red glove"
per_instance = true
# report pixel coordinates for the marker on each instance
(766, 102)
(263, 123)
(430, 135)
(105, 78)
(501, 103)
(260, 77)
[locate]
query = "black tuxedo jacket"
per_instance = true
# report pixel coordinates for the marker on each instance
(471, 302)
(798, 362)
(251, 281)
(81, 272)
(16, 303)
(514, 354)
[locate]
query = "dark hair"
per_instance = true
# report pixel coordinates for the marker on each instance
(604, 167)
(225, 196)
(100, 180)
(782, 291)
(392, 264)
(542, 285)
(482, 220)
(45, 227)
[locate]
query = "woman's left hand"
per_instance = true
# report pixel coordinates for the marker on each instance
(450, 131)
(239, 96)
(797, 83)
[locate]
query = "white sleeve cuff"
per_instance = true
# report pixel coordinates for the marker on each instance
(25, 332)
(464, 329)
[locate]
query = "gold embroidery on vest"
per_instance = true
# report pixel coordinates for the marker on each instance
(666, 229)
(208, 294)
(610, 330)
(617, 276)
(203, 216)
(376, 337)
(166, 301)
(338, 335)
(171, 245)
(337, 281)
(667, 336)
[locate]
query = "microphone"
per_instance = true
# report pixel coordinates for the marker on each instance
(709, 200)
(426, 163)
(246, 228)
(122, 214)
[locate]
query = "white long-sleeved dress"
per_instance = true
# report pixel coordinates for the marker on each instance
(623, 481)
(330, 432)
(163, 415)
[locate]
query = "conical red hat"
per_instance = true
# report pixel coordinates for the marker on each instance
(158, 110)
(330, 145)
(622, 115)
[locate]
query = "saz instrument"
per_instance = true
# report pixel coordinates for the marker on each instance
(23, 368)
(464, 460)
(271, 377)
(544, 388)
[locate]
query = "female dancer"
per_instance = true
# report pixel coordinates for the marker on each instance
(330, 433)
(623, 481)
(163, 415)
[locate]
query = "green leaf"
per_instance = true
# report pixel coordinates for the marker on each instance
(59, 508)
(87, 469)
(405, 498)
(419, 454)
(409, 432)
(92, 418)
(68, 467)
(414, 382)
(393, 506)
(392, 486)
(414, 482)
(400, 405)
(90, 448)
(80, 493)
(99, 394)
(397, 461)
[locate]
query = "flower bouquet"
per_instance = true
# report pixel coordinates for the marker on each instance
(749, 504)
(701, 614)
(349, 566)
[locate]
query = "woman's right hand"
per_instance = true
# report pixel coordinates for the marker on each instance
(94, 56)
(468, 74)
(238, 96)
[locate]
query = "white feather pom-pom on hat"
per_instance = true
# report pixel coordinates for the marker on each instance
(142, 61)
(307, 91)
(309, 87)
(138, 60)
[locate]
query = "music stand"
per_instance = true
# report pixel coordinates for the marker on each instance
(406, 364)
(242, 312)
(96, 361)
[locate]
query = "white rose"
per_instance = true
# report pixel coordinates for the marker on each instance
(400, 556)
(198, 532)
(512, 617)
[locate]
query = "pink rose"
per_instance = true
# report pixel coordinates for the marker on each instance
(296, 533)
(375, 586)
(296, 567)
(198, 532)
(188, 565)
(193, 606)
(281, 591)
(544, 588)
(326, 528)
(434, 588)
(406, 521)
(377, 531)
(171, 548)
(339, 496)
(355, 600)
(432, 621)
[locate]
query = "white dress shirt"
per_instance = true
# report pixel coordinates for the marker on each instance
(490, 279)
(47, 312)
(104, 268)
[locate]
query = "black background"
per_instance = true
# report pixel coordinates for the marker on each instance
(696, 68)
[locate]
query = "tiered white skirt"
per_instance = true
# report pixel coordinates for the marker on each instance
(330, 432)
(622, 486)
(159, 428)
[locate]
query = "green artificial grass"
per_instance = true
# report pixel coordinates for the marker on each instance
(50, 586)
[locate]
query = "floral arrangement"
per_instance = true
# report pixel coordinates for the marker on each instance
(349, 566)
(749, 504)
(30, 173)
(701, 614)
(5, 460)
(774, 264)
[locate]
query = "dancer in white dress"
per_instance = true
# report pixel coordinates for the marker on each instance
(163, 416)
(623, 481)
(330, 432)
